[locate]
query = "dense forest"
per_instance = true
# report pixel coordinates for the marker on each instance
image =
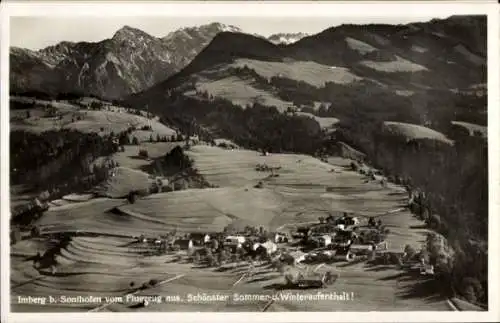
(368, 99)
(454, 182)
(257, 127)
(57, 163)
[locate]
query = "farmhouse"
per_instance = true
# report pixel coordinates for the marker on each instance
(280, 237)
(199, 238)
(344, 254)
(321, 240)
(298, 256)
(269, 247)
(234, 240)
(361, 248)
(184, 243)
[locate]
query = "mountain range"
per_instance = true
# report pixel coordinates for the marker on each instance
(130, 61)
(396, 72)
(377, 71)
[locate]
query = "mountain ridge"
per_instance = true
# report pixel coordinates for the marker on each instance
(337, 47)
(130, 61)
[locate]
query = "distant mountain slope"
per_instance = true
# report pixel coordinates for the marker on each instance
(130, 61)
(387, 72)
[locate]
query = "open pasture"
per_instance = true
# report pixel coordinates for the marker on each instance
(195, 210)
(122, 181)
(306, 71)
(359, 287)
(64, 115)
(241, 92)
(413, 131)
(130, 156)
(398, 65)
(359, 46)
(324, 122)
(472, 128)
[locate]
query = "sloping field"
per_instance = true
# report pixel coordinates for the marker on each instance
(228, 142)
(101, 121)
(309, 72)
(130, 156)
(19, 198)
(100, 267)
(117, 122)
(399, 65)
(413, 131)
(472, 128)
(89, 100)
(358, 288)
(38, 120)
(359, 46)
(196, 210)
(305, 189)
(383, 41)
(209, 209)
(76, 216)
(404, 92)
(465, 306)
(324, 122)
(122, 181)
(106, 266)
(237, 168)
(241, 92)
(78, 197)
(418, 49)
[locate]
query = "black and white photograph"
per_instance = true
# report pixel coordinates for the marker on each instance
(246, 163)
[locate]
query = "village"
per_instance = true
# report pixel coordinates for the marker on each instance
(292, 250)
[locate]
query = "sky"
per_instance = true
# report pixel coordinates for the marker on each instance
(36, 32)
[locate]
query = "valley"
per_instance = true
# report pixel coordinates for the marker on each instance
(104, 258)
(351, 162)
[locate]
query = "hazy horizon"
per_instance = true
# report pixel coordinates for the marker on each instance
(39, 32)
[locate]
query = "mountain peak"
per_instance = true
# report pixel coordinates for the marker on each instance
(207, 31)
(286, 38)
(127, 32)
(222, 27)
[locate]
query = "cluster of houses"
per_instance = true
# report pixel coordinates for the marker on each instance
(265, 168)
(243, 242)
(341, 239)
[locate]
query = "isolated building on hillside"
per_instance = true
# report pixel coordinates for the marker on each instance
(344, 254)
(322, 240)
(199, 238)
(270, 247)
(234, 240)
(280, 237)
(183, 243)
(298, 256)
